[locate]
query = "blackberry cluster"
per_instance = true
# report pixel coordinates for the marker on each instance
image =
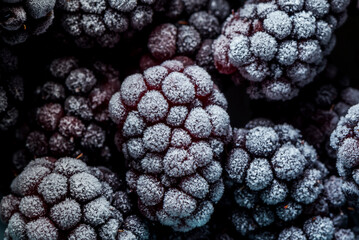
(101, 22)
(279, 46)
(72, 114)
(65, 199)
(20, 19)
(345, 141)
(173, 127)
(11, 89)
(276, 175)
(192, 36)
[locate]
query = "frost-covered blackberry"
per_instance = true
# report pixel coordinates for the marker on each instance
(192, 36)
(173, 126)
(66, 199)
(11, 89)
(319, 114)
(21, 19)
(278, 46)
(276, 174)
(179, 9)
(344, 140)
(316, 228)
(325, 218)
(103, 21)
(71, 111)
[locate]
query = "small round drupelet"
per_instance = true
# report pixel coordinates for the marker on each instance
(21, 19)
(173, 127)
(278, 46)
(65, 199)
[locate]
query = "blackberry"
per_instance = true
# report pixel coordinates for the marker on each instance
(278, 46)
(344, 140)
(177, 9)
(72, 112)
(276, 175)
(332, 223)
(103, 22)
(24, 18)
(316, 228)
(65, 199)
(173, 127)
(319, 116)
(11, 89)
(326, 218)
(191, 36)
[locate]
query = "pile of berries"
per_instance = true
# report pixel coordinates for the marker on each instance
(179, 119)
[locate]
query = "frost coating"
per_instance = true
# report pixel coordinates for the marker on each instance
(278, 46)
(173, 133)
(71, 201)
(275, 176)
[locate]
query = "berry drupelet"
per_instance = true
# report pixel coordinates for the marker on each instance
(275, 173)
(173, 127)
(11, 89)
(65, 199)
(72, 113)
(345, 141)
(278, 46)
(20, 19)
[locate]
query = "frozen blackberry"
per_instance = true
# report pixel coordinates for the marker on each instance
(72, 112)
(344, 140)
(276, 174)
(315, 228)
(11, 89)
(176, 9)
(191, 36)
(326, 218)
(318, 116)
(103, 21)
(324, 226)
(21, 19)
(278, 46)
(173, 126)
(168, 40)
(66, 199)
